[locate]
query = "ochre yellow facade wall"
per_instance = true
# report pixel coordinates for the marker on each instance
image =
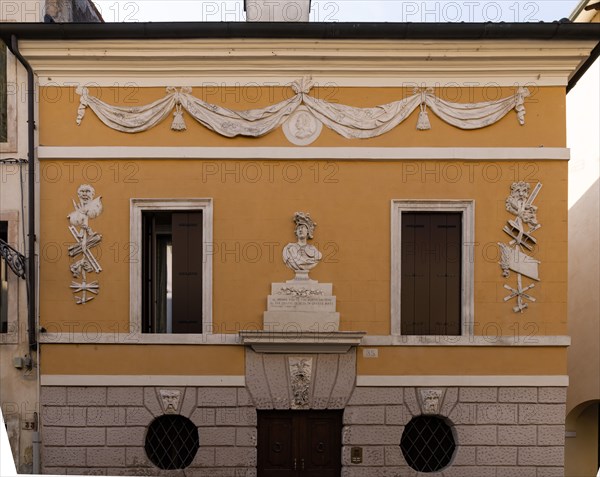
(252, 223)
(465, 361)
(184, 360)
(254, 201)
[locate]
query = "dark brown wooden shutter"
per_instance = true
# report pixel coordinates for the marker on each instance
(431, 272)
(187, 272)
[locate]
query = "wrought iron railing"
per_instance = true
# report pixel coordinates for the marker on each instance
(14, 259)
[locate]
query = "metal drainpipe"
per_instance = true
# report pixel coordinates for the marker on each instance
(31, 263)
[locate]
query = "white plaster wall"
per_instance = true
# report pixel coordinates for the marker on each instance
(583, 137)
(583, 129)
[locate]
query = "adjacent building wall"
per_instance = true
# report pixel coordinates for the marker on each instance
(18, 387)
(583, 127)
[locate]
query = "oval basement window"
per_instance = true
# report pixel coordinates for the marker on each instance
(427, 443)
(172, 442)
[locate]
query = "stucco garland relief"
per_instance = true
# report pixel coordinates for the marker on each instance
(302, 115)
(514, 254)
(86, 240)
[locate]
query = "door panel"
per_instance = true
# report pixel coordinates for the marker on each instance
(299, 443)
(324, 446)
(275, 441)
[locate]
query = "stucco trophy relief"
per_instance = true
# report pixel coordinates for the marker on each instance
(87, 239)
(301, 304)
(514, 255)
(300, 256)
(300, 377)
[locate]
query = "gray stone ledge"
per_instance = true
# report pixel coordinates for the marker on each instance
(392, 340)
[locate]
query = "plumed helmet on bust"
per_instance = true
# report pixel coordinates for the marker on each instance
(302, 218)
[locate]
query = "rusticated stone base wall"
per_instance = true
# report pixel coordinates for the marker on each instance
(499, 431)
(101, 430)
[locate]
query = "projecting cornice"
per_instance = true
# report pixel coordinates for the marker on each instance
(344, 63)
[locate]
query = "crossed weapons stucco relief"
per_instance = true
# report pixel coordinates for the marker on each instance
(514, 255)
(86, 239)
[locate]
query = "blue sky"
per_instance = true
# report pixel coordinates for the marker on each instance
(346, 10)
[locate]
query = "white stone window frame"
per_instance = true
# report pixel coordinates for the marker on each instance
(467, 208)
(11, 104)
(137, 208)
(14, 308)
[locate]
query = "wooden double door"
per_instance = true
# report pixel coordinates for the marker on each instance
(299, 443)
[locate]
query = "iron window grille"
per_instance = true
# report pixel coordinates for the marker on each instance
(172, 442)
(427, 443)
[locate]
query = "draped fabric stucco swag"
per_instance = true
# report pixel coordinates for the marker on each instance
(346, 120)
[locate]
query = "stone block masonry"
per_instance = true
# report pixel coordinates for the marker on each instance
(102, 429)
(499, 431)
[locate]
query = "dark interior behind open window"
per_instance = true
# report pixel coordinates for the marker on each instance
(431, 273)
(172, 272)
(3, 282)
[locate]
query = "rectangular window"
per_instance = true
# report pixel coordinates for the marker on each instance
(172, 271)
(431, 270)
(3, 282)
(3, 94)
(171, 286)
(432, 267)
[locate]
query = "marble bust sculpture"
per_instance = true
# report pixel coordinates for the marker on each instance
(301, 256)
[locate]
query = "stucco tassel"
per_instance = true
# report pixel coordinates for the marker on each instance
(178, 122)
(423, 123)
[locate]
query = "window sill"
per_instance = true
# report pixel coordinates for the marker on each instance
(437, 340)
(140, 338)
(368, 340)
